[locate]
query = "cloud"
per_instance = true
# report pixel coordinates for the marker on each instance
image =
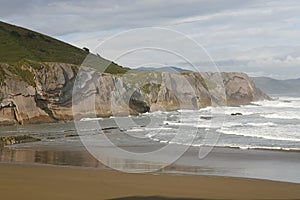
(72, 16)
(240, 35)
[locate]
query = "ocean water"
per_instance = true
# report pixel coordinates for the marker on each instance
(269, 125)
(243, 141)
(265, 125)
(262, 125)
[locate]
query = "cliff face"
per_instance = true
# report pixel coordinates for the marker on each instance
(43, 93)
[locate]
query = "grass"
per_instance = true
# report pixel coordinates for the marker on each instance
(103, 65)
(143, 77)
(211, 85)
(17, 44)
(22, 70)
(146, 88)
(203, 82)
(185, 73)
(197, 78)
(2, 76)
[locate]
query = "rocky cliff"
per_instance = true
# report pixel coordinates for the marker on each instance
(43, 92)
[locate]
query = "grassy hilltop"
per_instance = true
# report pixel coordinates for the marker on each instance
(19, 44)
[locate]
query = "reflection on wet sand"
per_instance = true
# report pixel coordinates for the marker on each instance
(277, 165)
(72, 158)
(84, 159)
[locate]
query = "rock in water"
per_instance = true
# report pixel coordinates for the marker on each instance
(206, 117)
(17, 139)
(236, 114)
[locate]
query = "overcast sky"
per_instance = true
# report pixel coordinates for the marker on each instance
(261, 38)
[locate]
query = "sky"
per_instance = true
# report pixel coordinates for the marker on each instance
(261, 38)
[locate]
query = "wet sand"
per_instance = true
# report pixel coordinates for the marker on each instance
(269, 165)
(49, 182)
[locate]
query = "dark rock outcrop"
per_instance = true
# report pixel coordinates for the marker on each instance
(236, 114)
(206, 117)
(17, 139)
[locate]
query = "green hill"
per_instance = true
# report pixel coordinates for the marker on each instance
(19, 44)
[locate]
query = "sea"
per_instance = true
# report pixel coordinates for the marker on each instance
(265, 125)
(260, 140)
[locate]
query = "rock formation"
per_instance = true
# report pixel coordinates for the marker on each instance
(17, 139)
(44, 92)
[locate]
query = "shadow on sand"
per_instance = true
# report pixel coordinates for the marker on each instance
(153, 198)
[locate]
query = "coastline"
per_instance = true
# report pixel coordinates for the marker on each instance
(53, 182)
(259, 164)
(162, 123)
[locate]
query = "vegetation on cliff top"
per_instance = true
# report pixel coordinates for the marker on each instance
(17, 44)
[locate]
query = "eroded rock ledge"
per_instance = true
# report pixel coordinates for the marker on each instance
(43, 93)
(17, 139)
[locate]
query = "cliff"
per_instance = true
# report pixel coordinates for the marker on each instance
(43, 92)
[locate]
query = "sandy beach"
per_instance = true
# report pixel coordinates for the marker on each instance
(49, 182)
(60, 167)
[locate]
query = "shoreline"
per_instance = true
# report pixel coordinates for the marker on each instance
(33, 138)
(60, 182)
(155, 173)
(221, 162)
(274, 149)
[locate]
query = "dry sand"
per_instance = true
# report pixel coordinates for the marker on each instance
(49, 182)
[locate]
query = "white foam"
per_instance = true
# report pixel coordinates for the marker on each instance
(157, 128)
(259, 147)
(159, 112)
(232, 124)
(90, 119)
(187, 111)
(245, 147)
(163, 141)
(209, 108)
(283, 115)
(151, 134)
(262, 124)
(238, 110)
(280, 103)
(286, 98)
(153, 131)
(240, 146)
(202, 124)
(135, 130)
(177, 123)
(267, 133)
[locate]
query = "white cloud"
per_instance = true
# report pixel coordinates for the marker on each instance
(252, 36)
